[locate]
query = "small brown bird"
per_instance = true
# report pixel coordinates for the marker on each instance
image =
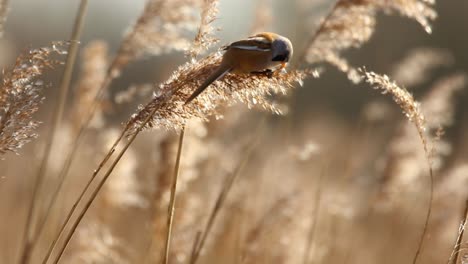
(265, 52)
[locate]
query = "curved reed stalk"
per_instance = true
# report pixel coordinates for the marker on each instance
(131, 48)
(412, 110)
(101, 182)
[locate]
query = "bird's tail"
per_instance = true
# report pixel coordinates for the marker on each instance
(218, 74)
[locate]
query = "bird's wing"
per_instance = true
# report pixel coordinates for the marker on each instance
(256, 43)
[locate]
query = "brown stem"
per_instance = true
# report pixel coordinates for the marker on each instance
(308, 253)
(171, 206)
(80, 197)
(431, 198)
(103, 180)
(456, 249)
(113, 71)
(29, 237)
(198, 246)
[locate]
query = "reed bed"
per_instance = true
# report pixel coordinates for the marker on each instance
(240, 174)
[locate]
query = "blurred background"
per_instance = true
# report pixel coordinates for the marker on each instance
(314, 197)
(108, 20)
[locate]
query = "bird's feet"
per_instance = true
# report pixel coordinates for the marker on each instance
(268, 73)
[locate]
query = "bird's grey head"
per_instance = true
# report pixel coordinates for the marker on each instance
(282, 49)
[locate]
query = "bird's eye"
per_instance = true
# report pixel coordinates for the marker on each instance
(280, 58)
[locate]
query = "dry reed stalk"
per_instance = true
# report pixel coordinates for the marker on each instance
(160, 28)
(20, 99)
(248, 87)
(171, 206)
(226, 187)
(50, 140)
(93, 73)
(461, 231)
(129, 50)
(164, 165)
(457, 248)
(163, 109)
(405, 159)
(351, 23)
(279, 235)
(308, 253)
(413, 112)
(96, 190)
(124, 191)
(122, 196)
(189, 204)
(80, 198)
(450, 198)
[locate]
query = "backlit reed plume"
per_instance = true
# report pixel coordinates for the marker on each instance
(205, 36)
(126, 188)
(93, 72)
(405, 158)
(417, 66)
(96, 243)
(351, 23)
(20, 96)
(252, 90)
(409, 154)
(163, 26)
(411, 108)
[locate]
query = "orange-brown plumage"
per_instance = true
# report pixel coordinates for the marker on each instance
(263, 52)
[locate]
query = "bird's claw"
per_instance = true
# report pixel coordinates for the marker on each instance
(268, 73)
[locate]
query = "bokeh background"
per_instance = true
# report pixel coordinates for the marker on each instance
(108, 20)
(332, 141)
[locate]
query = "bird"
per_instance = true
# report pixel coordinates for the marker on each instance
(265, 53)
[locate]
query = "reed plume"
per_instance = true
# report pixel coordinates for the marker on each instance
(96, 243)
(351, 23)
(21, 96)
(163, 26)
(93, 73)
(205, 37)
(251, 89)
(405, 158)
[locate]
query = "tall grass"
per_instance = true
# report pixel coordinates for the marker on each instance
(334, 191)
